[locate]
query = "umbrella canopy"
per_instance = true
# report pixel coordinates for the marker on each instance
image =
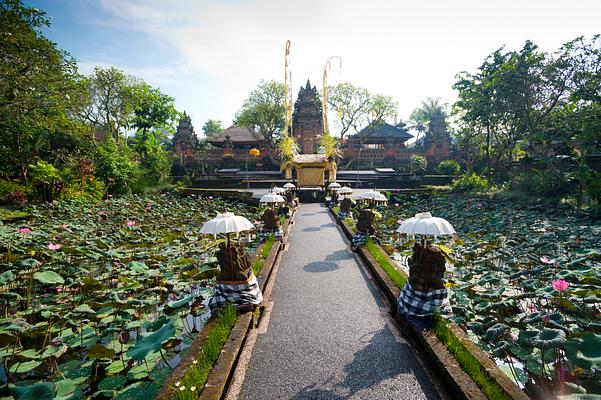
(344, 190)
(425, 224)
(373, 195)
(272, 198)
(289, 185)
(277, 190)
(226, 223)
(334, 185)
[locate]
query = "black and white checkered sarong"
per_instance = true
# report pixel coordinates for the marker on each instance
(360, 238)
(237, 294)
(265, 233)
(421, 304)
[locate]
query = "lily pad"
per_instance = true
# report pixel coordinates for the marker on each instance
(549, 338)
(48, 277)
(151, 342)
(36, 391)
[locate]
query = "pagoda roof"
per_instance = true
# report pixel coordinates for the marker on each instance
(383, 130)
(236, 134)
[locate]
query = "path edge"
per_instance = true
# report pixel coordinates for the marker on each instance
(220, 376)
(457, 382)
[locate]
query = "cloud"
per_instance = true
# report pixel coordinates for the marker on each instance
(408, 50)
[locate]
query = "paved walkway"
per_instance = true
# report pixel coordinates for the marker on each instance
(329, 336)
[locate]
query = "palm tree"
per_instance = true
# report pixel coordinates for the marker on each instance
(430, 117)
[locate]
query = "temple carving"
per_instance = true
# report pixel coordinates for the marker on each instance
(307, 119)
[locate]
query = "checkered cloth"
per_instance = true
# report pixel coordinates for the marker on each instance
(265, 233)
(360, 238)
(239, 293)
(422, 304)
(342, 215)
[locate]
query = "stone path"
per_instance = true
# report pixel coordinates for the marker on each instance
(329, 335)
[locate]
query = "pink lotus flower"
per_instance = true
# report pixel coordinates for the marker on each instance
(546, 260)
(560, 285)
(479, 205)
(210, 197)
(546, 318)
(59, 289)
(24, 230)
(54, 246)
(64, 226)
(396, 204)
(101, 213)
(256, 222)
(131, 223)
(399, 221)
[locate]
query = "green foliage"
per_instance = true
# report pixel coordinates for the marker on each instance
(198, 373)
(470, 183)
(114, 164)
(330, 144)
(418, 164)
(392, 272)
(286, 148)
(357, 107)
(212, 126)
(263, 110)
(467, 361)
(449, 167)
(265, 250)
(45, 177)
(430, 118)
(39, 89)
(162, 269)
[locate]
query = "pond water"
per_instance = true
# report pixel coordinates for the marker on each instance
(103, 299)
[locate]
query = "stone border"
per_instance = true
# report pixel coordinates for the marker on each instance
(220, 375)
(458, 383)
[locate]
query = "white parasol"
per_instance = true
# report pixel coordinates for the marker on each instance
(372, 195)
(425, 224)
(226, 223)
(277, 190)
(334, 185)
(272, 198)
(289, 185)
(344, 190)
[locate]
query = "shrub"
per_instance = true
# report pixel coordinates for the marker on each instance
(115, 166)
(449, 167)
(46, 180)
(471, 182)
(418, 164)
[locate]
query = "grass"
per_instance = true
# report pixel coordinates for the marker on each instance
(196, 377)
(393, 273)
(258, 264)
(467, 361)
(9, 215)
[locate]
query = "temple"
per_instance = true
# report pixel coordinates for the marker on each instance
(379, 144)
(307, 119)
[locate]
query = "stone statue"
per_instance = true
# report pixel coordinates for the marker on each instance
(235, 263)
(365, 222)
(426, 268)
(345, 205)
(270, 221)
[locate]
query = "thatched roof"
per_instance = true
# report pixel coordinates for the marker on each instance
(236, 134)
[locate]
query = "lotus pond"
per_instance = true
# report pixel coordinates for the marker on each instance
(99, 300)
(525, 283)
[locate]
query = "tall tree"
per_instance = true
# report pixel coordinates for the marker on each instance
(212, 126)
(39, 88)
(351, 104)
(263, 110)
(111, 100)
(381, 108)
(430, 118)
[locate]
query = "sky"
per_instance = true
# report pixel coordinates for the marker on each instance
(209, 54)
